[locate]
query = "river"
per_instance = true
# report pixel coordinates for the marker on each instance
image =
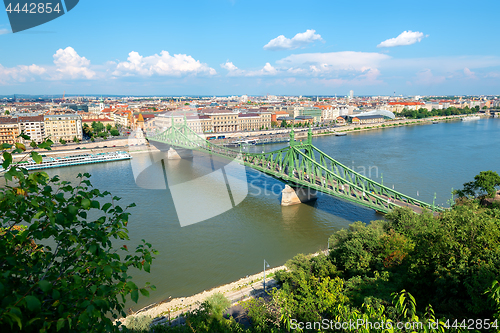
(420, 161)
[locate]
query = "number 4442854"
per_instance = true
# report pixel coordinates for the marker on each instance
(34, 8)
(472, 324)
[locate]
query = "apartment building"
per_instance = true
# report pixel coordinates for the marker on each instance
(34, 127)
(9, 130)
(254, 121)
(64, 126)
(123, 118)
(224, 121)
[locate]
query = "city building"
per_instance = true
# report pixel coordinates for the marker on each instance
(223, 120)
(33, 126)
(314, 112)
(367, 119)
(63, 127)
(9, 130)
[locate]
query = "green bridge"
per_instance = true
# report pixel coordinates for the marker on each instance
(300, 165)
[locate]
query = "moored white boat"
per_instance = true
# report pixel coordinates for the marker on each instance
(57, 162)
(469, 118)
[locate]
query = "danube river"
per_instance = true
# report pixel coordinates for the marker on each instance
(420, 161)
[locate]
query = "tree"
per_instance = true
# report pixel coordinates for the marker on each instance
(484, 183)
(217, 304)
(59, 268)
(97, 127)
(87, 130)
(75, 139)
(62, 141)
(114, 132)
(108, 127)
(7, 112)
(283, 123)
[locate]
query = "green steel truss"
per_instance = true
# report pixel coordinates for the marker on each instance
(301, 165)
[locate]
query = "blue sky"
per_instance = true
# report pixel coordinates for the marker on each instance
(234, 47)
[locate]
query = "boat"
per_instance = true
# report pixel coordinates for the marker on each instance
(340, 134)
(57, 162)
(470, 118)
(435, 122)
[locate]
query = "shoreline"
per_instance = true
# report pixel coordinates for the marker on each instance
(391, 124)
(236, 291)
(118, 144)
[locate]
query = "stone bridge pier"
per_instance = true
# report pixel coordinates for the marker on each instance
(296, 195)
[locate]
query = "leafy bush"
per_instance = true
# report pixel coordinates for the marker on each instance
(217, 305)
(139, 323)
(59, 268)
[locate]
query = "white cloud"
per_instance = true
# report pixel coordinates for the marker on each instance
(333, 61)
(299, 40)
(20, 73)
(470, 74)
(229, 66)
(163, 65)
(444, 64)
(426, 77)
(69, 65)
(5, 31)
(267, 70)
(405, 38)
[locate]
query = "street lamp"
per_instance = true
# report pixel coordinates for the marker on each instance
(265, 263)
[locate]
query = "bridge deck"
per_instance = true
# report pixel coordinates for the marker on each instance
(302, 164)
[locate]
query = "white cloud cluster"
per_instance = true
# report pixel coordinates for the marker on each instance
(20, 73)
(405, 38)
(163, 64)
(69, 65)
(4, 31)
(299, 40)
(333, 61)
(267, 70)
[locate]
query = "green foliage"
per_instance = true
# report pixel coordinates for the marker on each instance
(75, 139)
(139, 323)
(356, 250)
(114, 132)
(217, 304)
(484, 183)
(108, 127)
(424, 113)
(59, 269)
(61, 141)
(454, 256)
(283, 123)
(97, 127)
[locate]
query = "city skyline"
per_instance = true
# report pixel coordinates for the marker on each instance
(235, 48)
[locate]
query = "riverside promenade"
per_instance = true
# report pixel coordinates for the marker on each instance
(171, 311)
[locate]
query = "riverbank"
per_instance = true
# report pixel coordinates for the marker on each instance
(244, 288)
(389, 124)
(248, 287)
